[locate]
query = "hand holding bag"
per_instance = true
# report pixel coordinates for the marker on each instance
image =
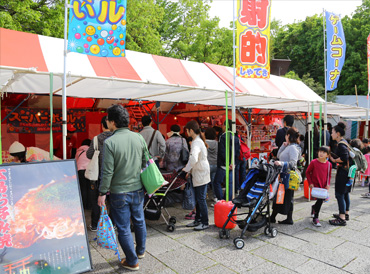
(106, 236)
(92, 169)
(151, 177)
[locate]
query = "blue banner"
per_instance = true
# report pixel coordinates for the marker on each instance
(97, 27)
(336, 49)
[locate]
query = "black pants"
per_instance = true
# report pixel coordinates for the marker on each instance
(95, 209)
(85, 189)
(317, 206)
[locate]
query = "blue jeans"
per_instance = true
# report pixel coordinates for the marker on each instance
(343, 202)
(126, 206)
(219, 178)
(201, 204)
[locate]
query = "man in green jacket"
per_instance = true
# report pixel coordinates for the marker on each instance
(123, 159)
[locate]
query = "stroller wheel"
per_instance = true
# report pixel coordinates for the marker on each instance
(267, 230)
(221, 234)
(274, 232)
(239, 243)
(227, 234)
(171, 228)
(173, 220)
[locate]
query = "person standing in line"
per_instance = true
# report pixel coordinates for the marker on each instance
(288, 122)
(341, 179)
(366, 174)
(319, 175)
(154, 139)
(288, 156)
(221, 163)
(95, 210)
(174, 145)
(71, 141)
(124, 158)
(211, 136)
(82, 161)
(198, 166)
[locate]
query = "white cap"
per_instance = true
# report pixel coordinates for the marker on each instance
(16, 147)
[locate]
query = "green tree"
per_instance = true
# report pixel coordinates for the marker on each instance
(35, 16)
(144, 19)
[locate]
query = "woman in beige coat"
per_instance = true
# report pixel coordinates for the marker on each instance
(198, 166)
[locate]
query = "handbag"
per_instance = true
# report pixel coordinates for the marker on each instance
(188, 202)
(280, 194)
(294, 180)
(184, 153)
(92, 169)
(106, 236)
(151, 177)
(319, 193)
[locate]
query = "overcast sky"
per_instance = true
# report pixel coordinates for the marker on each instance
(288, 11)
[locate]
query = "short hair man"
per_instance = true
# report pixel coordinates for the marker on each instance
(153, 138)
(325, 135)
(95, 210)
(288, 122)
(124, 157)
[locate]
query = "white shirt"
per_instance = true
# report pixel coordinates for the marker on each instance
(198, 164)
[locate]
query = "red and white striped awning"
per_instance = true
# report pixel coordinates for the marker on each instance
(28, 59)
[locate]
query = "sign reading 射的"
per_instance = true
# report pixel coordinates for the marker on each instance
(253, 34)
(336, 49)
(97, 27)
(31, 120)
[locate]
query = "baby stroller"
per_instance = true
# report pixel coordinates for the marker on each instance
(156, 202)
(254, 195)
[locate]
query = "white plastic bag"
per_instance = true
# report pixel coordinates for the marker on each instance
(274, 185)
(319, 193)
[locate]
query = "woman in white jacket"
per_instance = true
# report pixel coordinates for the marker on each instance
(198, 166)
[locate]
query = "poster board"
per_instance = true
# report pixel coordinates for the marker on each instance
(42, 224)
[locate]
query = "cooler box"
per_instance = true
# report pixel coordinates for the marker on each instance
(221, 210)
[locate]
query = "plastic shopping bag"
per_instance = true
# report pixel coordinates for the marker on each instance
(280, 194)
(106, 236)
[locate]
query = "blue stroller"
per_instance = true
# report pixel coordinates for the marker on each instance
(254, 195)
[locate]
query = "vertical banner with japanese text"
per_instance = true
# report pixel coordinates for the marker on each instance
(97, 27)
(253, 35)
(336, 49)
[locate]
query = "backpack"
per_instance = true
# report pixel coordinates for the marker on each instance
(244, 150)
(359, 159)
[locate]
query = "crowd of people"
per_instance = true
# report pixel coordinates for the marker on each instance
(203, 157)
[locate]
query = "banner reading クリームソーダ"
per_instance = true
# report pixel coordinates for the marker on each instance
(97, 27)
(253, 34)
(42, 226)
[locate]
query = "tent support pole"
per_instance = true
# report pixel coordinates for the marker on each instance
(309, 134)
(227, 146)
(64, 91)
(233, 114)
(51, 117)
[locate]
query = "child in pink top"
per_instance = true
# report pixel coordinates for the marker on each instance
(366, 174)
(318, 175)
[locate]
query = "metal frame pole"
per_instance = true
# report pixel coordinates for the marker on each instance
(233, 127)
(326, 92)
(64, 92)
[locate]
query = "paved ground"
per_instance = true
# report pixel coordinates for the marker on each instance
(298, 248)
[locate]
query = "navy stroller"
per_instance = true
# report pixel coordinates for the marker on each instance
(254, 195)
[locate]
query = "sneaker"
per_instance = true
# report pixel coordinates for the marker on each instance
(190, 216)
(193, 224)
(312, 212)
(316, 222)
(93, 228)
(215, 200)
(141, 256)
(201, 227)
(124, 264)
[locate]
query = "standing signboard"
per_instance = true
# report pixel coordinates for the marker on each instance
(42, 227)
